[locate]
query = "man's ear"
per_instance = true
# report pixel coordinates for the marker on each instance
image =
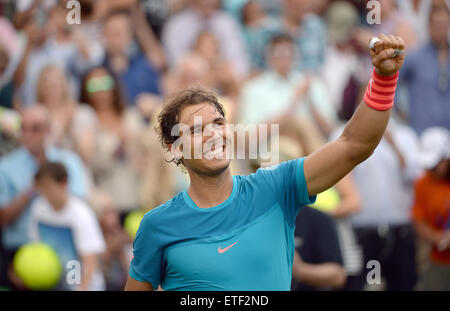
(176, 152)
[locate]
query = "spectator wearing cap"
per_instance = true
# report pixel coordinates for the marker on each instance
(431, 208)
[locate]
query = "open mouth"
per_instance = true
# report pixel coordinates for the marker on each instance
(216, 152)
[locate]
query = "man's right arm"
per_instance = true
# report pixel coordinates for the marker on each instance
(135, 285)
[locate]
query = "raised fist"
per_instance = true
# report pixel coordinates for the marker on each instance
(388, 54)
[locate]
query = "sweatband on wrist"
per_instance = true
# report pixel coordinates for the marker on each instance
(380, 92)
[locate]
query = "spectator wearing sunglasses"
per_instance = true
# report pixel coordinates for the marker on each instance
(114, 155)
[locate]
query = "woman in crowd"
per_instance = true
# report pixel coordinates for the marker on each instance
(73, 126)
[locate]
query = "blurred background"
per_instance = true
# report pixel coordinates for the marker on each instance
(86, 97)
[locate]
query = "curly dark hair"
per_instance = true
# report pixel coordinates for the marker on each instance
(170, 114)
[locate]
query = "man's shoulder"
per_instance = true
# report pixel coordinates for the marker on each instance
(164, 211)
(259, 82)
(65, 156)
(13, 158)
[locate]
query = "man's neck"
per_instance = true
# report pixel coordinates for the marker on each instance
(58, 207)
(210, 191)
(39, 155)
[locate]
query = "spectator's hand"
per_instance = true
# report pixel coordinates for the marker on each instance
(148, 104)
(303, 89)
(384, 57)
(444, 244)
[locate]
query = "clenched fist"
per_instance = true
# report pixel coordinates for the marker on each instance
(388, 54)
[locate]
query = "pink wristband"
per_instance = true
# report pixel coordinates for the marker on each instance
(380, 92)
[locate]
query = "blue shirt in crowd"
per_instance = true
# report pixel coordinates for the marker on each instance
(428, 88)
(140, 77)
(244, 243)
(17, 170)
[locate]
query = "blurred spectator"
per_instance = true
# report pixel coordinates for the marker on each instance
(123, 57)
(417, 12)
(394, 22)
(117, 256)
(17, 171)
(224, 79)
(283, 93)
(68, 224)
(348, 203)
(9, 130)
(158, 12)
(426, 74)
(114, 158)
(191, 70)
(259, 27)
(6, 85)
(383, 226)
(182, 30)
(308, 31)
(318, 263)
(431, 209)
(205, 66)
(344, 69)
(93, 13)
(51, 40)
(72, 126)
(9, 46)
(29, 9)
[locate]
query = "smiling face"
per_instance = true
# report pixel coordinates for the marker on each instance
(211, 135)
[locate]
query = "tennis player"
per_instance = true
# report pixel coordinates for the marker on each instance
(237, 232)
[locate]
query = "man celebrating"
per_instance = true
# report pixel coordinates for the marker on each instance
(237, 232)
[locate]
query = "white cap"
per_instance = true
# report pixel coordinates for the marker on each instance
(435, 146)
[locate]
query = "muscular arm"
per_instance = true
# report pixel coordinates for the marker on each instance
(333, 161)
(135, 285)
(361, 135)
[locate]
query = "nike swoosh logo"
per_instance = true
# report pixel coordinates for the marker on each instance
(226, 248)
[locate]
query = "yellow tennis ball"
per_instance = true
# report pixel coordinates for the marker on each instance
(38, 266)
(132, 221)
(327, 201)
